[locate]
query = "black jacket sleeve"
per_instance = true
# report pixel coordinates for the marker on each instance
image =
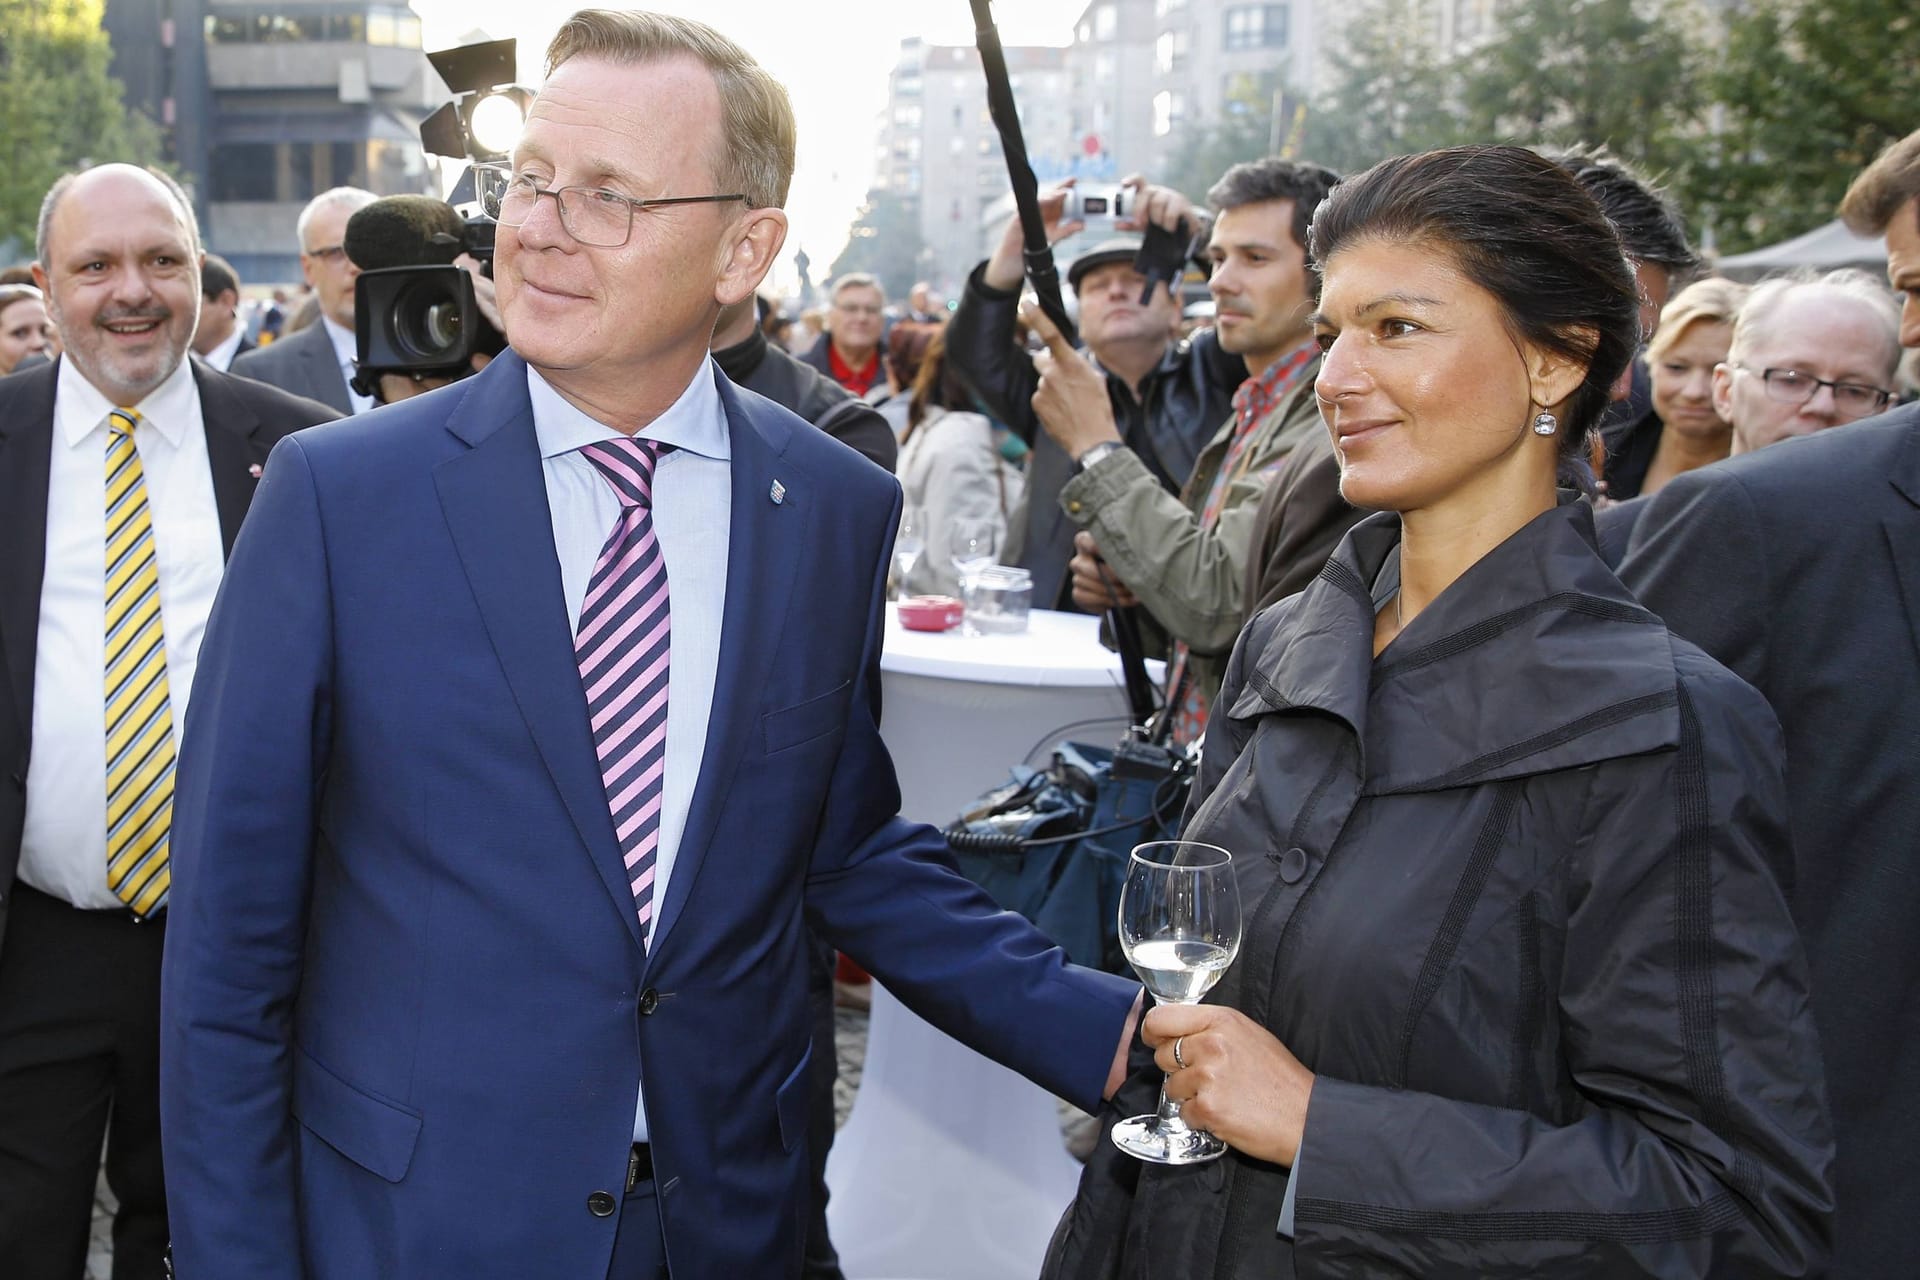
(982, 350)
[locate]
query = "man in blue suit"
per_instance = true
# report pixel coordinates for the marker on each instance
(535, 718)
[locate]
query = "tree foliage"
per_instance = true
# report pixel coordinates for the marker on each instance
(59, 108)
(1808, 92)
(885, 242)
(1755, 113)
(1390, 93)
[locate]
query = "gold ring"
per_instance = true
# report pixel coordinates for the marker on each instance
(1176, 1052)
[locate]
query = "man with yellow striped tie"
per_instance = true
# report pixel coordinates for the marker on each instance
(125, 470)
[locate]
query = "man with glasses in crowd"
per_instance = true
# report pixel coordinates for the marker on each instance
(539, 722)
(1809, 353)
(1799, 568)
(317, 362)
(849, 351)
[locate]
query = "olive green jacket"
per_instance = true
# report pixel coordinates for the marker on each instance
(1192, 581)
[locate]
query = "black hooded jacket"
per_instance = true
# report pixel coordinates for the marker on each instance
(1512, 891)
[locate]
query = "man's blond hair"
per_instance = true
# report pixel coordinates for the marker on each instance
(757, 128)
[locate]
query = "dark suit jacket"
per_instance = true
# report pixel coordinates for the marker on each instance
(405, 1000)
(1799, 568)
(243, 420)
(1613, 527)
(303, 363)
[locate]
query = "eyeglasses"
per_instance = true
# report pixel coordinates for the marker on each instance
(328, 253)
(1796, 387)
(592, 215)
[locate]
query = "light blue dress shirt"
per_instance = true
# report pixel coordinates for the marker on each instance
(692, 510)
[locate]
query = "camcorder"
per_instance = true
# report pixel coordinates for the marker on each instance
(414, 311)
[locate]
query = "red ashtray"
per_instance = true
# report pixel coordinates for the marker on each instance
(931, 613)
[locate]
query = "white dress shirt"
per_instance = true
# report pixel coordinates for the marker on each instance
(344, 352)
(63, 849)
(692, 508)
(221, 357)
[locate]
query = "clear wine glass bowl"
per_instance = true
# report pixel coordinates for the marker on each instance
(1180, 929)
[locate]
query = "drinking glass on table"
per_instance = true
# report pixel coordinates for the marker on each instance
(1180, 929)
(908, 545)
(971, 544)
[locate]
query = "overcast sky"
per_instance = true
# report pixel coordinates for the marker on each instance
(833, 57)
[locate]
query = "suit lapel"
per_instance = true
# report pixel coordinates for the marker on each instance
(1902, 526)
(766, 552)
(323, 369)
(26, 454)
(235, 453)
(494, 498)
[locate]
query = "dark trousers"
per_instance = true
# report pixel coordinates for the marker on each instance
(639, 1251)
(79, 1061)
(822, 1261)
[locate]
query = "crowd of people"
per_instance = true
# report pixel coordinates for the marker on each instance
(1541, 611)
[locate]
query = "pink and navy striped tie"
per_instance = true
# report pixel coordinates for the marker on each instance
(622, 646)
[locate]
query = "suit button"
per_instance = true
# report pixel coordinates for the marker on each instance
(1074, 507)
(649, 1001)
(601, 1204)
(1293, 864)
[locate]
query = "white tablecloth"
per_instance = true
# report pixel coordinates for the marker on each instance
(958, 711)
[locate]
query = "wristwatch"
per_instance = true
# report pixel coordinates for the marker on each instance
(1092, 456)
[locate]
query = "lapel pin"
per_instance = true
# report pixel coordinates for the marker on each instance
(778, 493)
(254, 470)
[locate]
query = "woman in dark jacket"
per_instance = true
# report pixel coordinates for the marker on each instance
(1519, 994)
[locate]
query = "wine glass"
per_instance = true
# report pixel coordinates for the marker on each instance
(1180, 929)
(908, 545)
(971, 543)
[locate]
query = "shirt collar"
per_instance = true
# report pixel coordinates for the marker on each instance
(222, 355)
(344, 350)
(1258, 394)
(695, 422)
(169, 408)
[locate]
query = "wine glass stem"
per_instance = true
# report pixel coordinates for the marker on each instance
(1169, 1114)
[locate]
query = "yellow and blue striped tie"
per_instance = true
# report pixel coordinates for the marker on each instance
(139, 711)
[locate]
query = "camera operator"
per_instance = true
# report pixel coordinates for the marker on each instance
(425, 313)
(1167, 396)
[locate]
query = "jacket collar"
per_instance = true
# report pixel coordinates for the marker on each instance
(1535, 659)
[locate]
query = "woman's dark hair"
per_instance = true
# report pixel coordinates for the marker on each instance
(1521, 228)
(936, 385)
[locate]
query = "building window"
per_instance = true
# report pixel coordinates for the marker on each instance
(1256, 26)
(1103, 67)
(1170, 52)
(1106, 22)
(1161, 8)
(907, 116)
(1169, 112)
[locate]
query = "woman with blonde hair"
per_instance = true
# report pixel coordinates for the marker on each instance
(1683, 431)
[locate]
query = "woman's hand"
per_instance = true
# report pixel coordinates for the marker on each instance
(1239, 1083)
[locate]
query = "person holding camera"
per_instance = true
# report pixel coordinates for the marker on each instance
(1166, 396)
(425, 311)
(1184, 559)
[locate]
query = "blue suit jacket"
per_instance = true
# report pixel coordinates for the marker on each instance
(405, 1003)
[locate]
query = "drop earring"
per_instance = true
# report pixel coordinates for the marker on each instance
(1545, 424)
